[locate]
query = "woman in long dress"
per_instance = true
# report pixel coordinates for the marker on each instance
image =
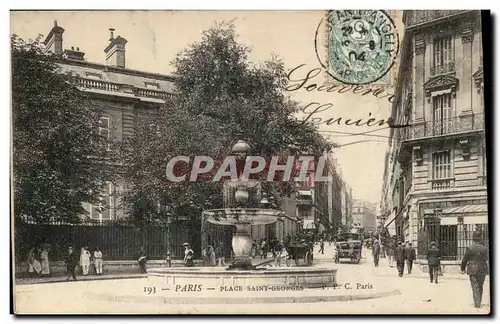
(85, 261)
(44, 256)
(34, 265)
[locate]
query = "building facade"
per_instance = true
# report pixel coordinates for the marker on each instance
(435, 170)
(363, 215)
(125, 93)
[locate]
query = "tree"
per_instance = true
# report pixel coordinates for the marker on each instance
(220, 97)
(55, 139)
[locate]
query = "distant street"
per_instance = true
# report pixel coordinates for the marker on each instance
(418, 295)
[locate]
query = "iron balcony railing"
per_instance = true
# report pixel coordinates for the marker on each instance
(448, 126)
(442, 69)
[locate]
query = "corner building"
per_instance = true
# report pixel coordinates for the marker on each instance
(435, 172)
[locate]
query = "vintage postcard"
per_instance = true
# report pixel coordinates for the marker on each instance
(250, 162)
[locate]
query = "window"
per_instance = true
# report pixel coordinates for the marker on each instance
(443, 56)
(441, 173)
(441, 106)
(104, 210)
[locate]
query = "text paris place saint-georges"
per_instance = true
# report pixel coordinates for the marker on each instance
(300, 78)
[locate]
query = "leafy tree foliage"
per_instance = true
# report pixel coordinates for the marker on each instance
(220, 97)
(55, 139)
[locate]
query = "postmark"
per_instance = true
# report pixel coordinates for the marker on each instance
(362, 45)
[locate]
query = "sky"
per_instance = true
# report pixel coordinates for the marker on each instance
(155, 37)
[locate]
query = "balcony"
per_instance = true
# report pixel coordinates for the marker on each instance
(450, 126)
(93, 84)
(441, 184)
(442, 69)
(417, 17)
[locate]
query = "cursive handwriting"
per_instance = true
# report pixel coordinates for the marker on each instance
(306, 82)
(315, 107)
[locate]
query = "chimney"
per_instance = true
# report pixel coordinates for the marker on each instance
(53, 41)
(73, 54)
(115, 52)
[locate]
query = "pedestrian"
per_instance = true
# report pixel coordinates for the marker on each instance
(410, 256)
(142, 260)
(376, 252)
(34, 266)
(85, 260)
(98, 261)
(263, 248)
(209, 256)
(188, 255)
(321, 246)
(44, 257)
(219, 254)
(390, 252)
(278, 250)
(255, 249)
(400, 258)
(71, 263)
(476, 261)
(433, 261)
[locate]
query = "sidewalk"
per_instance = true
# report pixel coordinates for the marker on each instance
(31, 281)
(383, 270)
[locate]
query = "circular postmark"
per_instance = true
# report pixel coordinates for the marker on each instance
(362, 45)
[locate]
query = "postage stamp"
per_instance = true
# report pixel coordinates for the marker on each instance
(362, 45)
(168, 164)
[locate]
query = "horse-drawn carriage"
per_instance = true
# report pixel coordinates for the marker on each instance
(298, 252)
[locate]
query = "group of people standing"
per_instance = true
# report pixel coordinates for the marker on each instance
(38, 261)
(83, 259)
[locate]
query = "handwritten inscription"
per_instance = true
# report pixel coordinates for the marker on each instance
(303, 79)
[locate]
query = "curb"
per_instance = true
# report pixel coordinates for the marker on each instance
(80, 279)
(236, 300)
(465, 277)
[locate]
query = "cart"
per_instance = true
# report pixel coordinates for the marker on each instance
(299, 252)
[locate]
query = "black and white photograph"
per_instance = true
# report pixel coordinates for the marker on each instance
(250, 162)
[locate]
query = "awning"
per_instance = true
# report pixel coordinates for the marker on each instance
(466, 209)
(309, 224)
(305, 193)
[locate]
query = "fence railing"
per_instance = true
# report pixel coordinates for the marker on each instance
(447, 126)
(119, 240)
(118, 87)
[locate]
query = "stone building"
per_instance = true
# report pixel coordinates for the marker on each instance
(125, 93)
(363, 215)
(435, 169)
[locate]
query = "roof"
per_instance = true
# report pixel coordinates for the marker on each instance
(116, 75)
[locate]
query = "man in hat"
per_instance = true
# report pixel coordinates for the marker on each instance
(142, 260)
(410, 256)
(433, 260)
(400, 258)
(376, 252)
(476, 261)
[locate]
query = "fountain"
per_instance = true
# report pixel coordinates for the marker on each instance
(241, 275)
(241, 282)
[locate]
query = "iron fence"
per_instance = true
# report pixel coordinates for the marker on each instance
(120, 240)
